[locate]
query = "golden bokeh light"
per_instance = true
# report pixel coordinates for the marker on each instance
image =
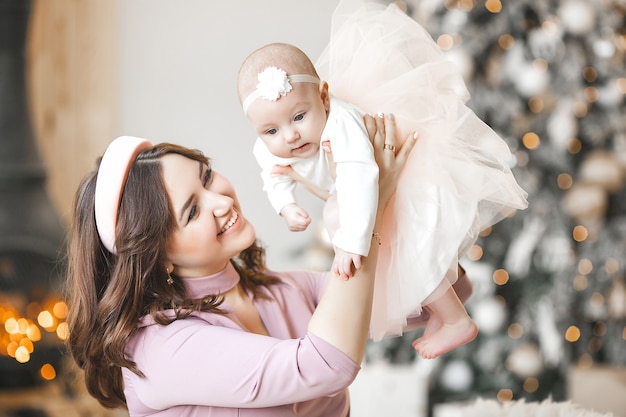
(48, 372)
(572, 334)
(531, 384)
(580, 233)
(500, 276)
(506, 41)
(505, 395)
(531, 140)
(493, 6)
(515, 331)
(585, 266)
(564, 181)
(574, 146)
(580, 282)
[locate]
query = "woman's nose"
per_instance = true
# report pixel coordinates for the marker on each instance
(220, 205)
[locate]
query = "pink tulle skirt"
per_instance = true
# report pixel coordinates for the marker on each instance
(457, 181)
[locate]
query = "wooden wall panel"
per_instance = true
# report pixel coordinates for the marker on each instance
(71, 77)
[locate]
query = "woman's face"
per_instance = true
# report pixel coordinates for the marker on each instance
(210, 227)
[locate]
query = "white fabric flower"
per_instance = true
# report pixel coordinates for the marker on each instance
(273, 83)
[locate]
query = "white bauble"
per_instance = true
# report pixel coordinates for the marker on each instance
(531, 80)
(616, 300)
(562, 125)
(577, 16)
(609, 95)
(457, 376)
(525, 361)
(490, 315)
(604, 169)
(463, 62)
(586, 203)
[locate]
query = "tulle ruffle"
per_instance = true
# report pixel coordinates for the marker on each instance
(457, 181)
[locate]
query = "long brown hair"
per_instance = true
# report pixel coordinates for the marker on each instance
(107, 294)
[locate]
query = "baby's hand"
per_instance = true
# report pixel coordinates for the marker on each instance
(344, 262)
(297, 219)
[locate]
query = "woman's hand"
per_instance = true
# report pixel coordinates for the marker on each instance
(390, 157)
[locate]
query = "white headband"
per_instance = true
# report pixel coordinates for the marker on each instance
(112, 174)
(274, 83)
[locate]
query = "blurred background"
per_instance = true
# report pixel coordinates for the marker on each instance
(547, 75)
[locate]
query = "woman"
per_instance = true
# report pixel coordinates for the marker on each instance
(173, 311)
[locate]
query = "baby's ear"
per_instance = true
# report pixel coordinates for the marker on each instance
(324, 95)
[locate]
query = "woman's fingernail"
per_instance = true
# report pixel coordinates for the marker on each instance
(390, 116)
(416, 135)
(381, 115)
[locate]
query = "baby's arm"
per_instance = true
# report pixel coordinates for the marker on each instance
(293, 174)
(296, 217)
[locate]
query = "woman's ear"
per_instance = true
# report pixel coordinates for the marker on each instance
(324, 95)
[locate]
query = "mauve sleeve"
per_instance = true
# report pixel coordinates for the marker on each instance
(226, 367)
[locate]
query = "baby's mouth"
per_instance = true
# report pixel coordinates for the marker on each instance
(230, 223)
(302, 148)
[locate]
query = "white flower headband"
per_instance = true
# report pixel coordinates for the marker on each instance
(274, 83)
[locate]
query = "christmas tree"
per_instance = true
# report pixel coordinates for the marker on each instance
(549, 282)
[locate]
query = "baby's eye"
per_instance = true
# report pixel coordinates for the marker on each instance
(299, 117)
(271, 131)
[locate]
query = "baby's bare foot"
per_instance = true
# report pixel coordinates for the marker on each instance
(446, 338)
(434, 323)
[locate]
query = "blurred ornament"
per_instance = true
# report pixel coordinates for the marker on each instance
(602, 168)
(453, 21)
(457, 376)
(562, 125)
(619, 149)
(463, 62)
(586, 203)
(525, 361)
(519, 254)
(578, 16)
(546, 42)
(595, 308)
(616, 299)
(490, 315)
(604, 48)
(554, 253)
(550, 340)
(529, 80)
(609, 95)
(481, 274)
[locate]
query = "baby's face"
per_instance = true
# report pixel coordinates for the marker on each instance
(292, 125)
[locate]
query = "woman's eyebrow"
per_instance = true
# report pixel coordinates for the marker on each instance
(190, 199)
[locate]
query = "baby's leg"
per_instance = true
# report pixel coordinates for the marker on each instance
(451, 326)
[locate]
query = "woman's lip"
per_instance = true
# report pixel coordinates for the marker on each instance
(232, 222)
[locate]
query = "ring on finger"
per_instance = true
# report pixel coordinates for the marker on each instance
(389, 147)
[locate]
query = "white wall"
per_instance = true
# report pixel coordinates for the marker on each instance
(178, 61)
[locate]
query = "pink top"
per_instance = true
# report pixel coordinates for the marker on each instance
(210, 360)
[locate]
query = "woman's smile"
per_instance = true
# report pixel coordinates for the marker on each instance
(231, 222)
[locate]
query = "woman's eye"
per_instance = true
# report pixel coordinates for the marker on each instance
(299, 117)
(192, 213)
(207, 177)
